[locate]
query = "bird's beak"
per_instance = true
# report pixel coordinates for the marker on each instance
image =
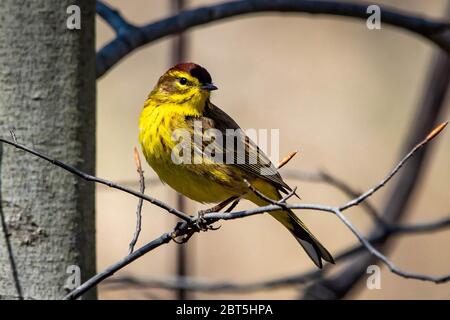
(208, 86)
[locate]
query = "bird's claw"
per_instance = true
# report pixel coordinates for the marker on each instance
(202, 223)
(184, 238)
(215, 228)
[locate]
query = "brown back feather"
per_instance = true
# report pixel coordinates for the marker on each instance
(216, 118)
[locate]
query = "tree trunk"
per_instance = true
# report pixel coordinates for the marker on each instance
(47, 95)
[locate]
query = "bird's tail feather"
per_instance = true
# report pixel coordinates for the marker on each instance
(315, 250)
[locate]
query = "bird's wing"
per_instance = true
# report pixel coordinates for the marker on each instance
(245, 154)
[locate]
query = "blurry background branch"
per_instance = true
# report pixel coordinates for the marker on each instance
(130, 37)
(179, 52)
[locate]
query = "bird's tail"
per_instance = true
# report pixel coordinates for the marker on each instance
(315, 250)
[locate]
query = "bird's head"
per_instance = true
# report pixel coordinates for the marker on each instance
(184, 83)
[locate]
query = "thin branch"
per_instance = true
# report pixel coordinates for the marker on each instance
(327, 178)
(91, 178)
(99, 277)
(281, 203)
(13, 135)
(386, 260)
(140, 172)
(381, 184)
(184, 228)
(193, 284)
(135, 37)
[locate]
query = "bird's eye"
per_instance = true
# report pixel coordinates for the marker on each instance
(183, 81)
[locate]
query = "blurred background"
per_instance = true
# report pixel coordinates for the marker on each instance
(343, 95)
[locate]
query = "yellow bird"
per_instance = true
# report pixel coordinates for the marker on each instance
(178, 110)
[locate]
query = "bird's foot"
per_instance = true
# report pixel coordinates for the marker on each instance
(202, 224)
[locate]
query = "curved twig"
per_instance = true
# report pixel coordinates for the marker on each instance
(140, 172)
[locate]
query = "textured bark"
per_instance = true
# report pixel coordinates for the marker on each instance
(47, 94)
